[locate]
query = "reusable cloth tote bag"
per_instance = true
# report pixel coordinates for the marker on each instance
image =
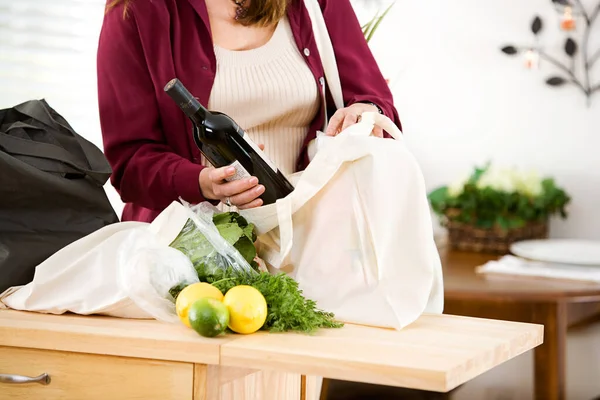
(356, 233)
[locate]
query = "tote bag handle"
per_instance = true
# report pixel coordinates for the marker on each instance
(332, 76)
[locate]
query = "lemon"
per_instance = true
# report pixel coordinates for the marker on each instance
(208, 317)
(247, 309)
(193, 293)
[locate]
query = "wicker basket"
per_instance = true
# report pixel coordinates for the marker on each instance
(495, 240)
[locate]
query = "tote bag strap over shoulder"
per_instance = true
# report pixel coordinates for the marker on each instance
(332, 75)
(325, 48)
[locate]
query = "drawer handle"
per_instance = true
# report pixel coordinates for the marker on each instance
(43, 379)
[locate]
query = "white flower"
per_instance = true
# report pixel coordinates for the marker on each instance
(530, 183)
(456, 188)
(500, 179)
(510, 180)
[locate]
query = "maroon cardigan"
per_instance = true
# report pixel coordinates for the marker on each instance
(147, 138)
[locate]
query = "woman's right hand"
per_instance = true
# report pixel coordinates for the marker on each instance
(241, 193)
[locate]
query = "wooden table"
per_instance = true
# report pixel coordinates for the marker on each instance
(555, 304)
(108, 358)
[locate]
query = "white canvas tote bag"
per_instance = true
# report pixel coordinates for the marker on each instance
(356, 233)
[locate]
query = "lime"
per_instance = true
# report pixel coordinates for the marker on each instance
(247, 309)
(208, 317)
(192, 293)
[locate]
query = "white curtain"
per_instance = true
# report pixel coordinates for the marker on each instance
(48, 50)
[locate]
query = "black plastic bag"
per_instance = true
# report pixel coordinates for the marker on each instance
(51, 189)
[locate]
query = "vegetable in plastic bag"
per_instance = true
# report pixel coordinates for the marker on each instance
(207, 239)
(221, 248)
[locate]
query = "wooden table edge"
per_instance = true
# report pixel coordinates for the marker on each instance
(571, 297)
(334, 370)
(84, 339)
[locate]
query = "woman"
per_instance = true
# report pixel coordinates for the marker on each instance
(255, 60)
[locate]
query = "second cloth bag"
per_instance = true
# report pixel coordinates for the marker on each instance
(356, 233)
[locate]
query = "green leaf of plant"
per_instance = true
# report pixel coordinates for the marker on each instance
(438, 195)
(249, 232)
(223, 218)
(485, 223)
(368, 26)
(192, 242)
(502, 222)
(230, 232)
(438, 199)
(379, 19)
(246, 248)
(478, 172)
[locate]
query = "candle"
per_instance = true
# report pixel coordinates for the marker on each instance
(567, 22)
(532, 59)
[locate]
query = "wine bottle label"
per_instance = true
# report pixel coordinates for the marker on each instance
(240, 172)
(260, 153)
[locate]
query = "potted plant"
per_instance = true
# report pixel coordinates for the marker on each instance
(371, 26)
(494, 207)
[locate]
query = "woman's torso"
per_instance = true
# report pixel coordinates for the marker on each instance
(270, 92)
(174, 40)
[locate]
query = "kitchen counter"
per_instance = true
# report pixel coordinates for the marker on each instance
(108, 358)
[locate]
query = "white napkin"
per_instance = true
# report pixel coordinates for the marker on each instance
(511, 265)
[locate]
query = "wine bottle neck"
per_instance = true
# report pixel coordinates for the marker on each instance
(185, 100)
(193, 109)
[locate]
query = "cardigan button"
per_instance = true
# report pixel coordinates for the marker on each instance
(306, 52)
(322, 81)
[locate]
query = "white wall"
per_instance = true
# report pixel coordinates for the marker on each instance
(463, 102)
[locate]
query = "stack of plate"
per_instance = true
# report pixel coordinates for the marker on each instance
(567, 259)
(559, 251)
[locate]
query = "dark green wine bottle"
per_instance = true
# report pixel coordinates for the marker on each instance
(224, 143)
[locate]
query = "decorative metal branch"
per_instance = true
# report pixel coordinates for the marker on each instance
(594, 58)
(571, 48)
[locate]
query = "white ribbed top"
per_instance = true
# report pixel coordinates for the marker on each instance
(270, 92)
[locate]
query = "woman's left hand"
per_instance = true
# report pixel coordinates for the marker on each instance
(345, 117)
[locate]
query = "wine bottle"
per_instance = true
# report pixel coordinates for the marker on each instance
(224, 143)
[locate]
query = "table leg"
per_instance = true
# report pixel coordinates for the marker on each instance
(207, 385)
(213, 382)
(550, 357)
(312, 387)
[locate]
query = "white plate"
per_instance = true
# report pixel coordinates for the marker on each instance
(565, 251)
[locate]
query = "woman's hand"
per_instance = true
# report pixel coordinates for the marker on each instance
(242, 193)
(345, 117)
